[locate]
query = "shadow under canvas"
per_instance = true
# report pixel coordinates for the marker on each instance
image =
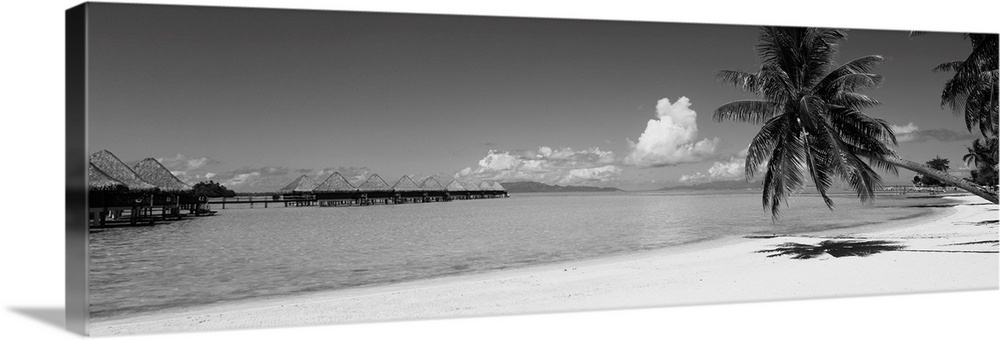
(54, 316)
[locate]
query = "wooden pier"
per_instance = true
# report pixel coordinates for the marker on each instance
(143, 212)
(357, 198)
(266, 201)
(131, 209)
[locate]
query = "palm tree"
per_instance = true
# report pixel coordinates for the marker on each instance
(973, 92)
(973, 88)
(813, 120)
(978, 154)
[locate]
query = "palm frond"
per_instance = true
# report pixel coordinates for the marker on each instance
(818, 170)
(745, 81)
(854, 101)
(762, 145)
(951, 66)
(821, 164)
(784, 173)
(860, 129)
(863, 179)
(855, 81)
(776, 84)
(864, 64)
(750, 111)
(973, 88)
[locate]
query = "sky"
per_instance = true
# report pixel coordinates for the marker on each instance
(254, 98)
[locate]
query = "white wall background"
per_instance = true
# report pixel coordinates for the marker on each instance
(31, 242)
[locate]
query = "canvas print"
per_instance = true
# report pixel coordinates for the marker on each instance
(263, 167)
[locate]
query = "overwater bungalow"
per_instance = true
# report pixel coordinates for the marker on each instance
(105, 205)
(374, 190)
(499, 189)
(136, 195)
(433, 191)
(472, 188)
(406, 191)
(173, 192)
(487, 189)
(97, 180)
(455, 190)
(110, 165)
(153, 172)
(301, 185)
(335, 190)
(493, 189)
(485, 186)
(104, 191)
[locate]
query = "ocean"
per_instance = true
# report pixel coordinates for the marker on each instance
(253, 253)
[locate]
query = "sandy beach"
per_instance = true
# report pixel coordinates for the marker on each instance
(956, 250)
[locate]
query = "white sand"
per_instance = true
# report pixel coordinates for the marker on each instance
(718, 272)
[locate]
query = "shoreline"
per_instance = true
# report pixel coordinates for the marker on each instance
(725, 270)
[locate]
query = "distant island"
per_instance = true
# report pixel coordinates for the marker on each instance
(718, 185)
(528, 186)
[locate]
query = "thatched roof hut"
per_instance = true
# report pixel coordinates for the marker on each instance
(405, 184)
(498, 187)
(335, 183)
(454, 185)
(113, 167)
(470, 185)
(151, 171)
(98, 180)
(486, 186)
(374, 183)
(431, 184)
(302, 184)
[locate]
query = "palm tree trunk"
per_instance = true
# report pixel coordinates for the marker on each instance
(942, 176)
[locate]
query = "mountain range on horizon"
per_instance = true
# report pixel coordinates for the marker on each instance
(717, 185)
(530, 186)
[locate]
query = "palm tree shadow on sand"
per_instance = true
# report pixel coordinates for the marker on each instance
(835, 248)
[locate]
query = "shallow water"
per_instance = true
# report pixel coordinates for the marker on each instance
(252, 253)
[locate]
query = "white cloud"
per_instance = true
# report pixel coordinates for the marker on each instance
(247, 179)
(728, 170)
(910, 133)
(670, 138)
(547, 165)
(601, 174)
(182, 162)
(240, 179)
(905, 133)
(355, 175)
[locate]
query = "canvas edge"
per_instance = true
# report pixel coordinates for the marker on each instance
(77, 302)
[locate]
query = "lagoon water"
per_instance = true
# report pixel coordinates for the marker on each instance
(254, 253)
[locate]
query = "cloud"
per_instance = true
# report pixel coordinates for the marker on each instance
(262, 179)
(943, 135)
(189, 169)
(904, 133)
(547, 165)
(181, 162)
(727, 170)
(272, 178)
(669, 139)
(355, 175)
(911, 133)
(247, 179)
(240, 180)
